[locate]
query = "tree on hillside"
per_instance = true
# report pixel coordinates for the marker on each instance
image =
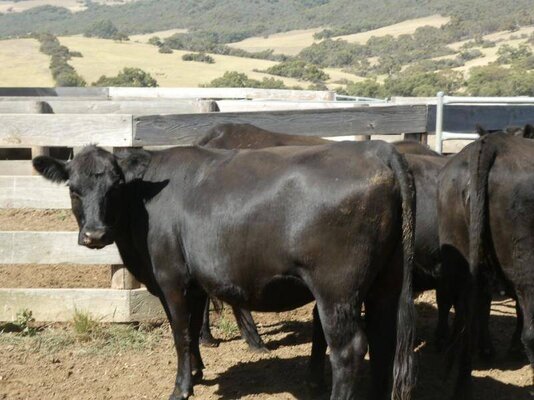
(128, 77)
(238, 79)
(494, 80)
(105, 29)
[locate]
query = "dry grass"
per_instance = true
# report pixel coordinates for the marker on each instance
(291, 42)
(107, 57)
(72, 5)
(23, 64)
(490, 53)
(405, 27)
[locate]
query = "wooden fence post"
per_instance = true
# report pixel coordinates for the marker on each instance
(205, 106)
(39, 107)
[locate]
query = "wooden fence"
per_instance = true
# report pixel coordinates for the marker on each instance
(123, 117)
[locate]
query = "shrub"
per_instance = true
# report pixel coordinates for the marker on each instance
(298, 69)
(238, 79)
(105, 29)
(165, 49)
(128, 77)
(199, 57)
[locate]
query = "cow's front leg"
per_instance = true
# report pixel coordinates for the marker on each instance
(179, 315)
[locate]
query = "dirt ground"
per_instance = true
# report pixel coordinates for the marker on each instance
(139, 362)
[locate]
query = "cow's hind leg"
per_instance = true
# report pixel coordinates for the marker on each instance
(196, 304)
(526, 301)
(516, 348)
(444, 301)
(318, 353)
(206, 338)
(344, 334)
(248, 330)
(380, 318)
(485, 344)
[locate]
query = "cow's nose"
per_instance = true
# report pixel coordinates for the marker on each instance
(93, 236)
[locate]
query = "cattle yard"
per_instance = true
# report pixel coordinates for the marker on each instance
(42, 119)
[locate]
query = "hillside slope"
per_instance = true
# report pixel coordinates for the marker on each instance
(235, 20)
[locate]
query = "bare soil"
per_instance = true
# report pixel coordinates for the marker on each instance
(55, 364)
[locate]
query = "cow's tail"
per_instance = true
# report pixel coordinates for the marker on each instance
(481, 158)
(404, 375)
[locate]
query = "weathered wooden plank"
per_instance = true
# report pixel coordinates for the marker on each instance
(32, 192)
(184, 129)
(81, 106)
(52, 248)
(16, 167)
(270, 105)
(59, 305)
(59, 91)
(26, 130)
(463, 118)
(220, 93)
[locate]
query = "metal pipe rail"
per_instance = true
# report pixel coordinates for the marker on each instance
(442, 100)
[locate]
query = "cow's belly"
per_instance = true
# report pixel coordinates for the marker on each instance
(266, 293)
(281, 293)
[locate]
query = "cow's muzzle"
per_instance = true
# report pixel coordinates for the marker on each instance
(94, 238)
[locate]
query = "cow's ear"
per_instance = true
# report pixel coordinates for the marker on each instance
(52, 169)
(481, 131)
(133, 163)
(528, 131)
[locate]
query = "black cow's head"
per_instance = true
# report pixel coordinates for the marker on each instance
(96, 180)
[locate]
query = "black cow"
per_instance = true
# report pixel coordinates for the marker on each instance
(265, 230)
(425, 165)
(486, 215)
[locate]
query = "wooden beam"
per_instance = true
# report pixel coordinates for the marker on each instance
(32, 192)
(52, 248)
(27, 130)
(184, 129)
(219, 93)
(59, 91)
(59, 305)
(15, 167)
(270, 105)
(463, 118)
(81, 106)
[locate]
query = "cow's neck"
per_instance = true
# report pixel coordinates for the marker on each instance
(131, 236)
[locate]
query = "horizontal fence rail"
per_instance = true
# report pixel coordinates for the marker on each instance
(45, 247)
(107, 305)
(32, 192)
(174, 93)
(491, 113)
(184, 129)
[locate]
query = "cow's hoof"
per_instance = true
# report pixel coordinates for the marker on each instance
(255, 348)
(198, 375)
(181, 394)
(209, 342)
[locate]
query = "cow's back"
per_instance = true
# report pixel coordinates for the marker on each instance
(247, 136)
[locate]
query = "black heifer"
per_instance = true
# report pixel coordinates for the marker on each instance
(425, 165)
(265, 230)
(486, 215)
